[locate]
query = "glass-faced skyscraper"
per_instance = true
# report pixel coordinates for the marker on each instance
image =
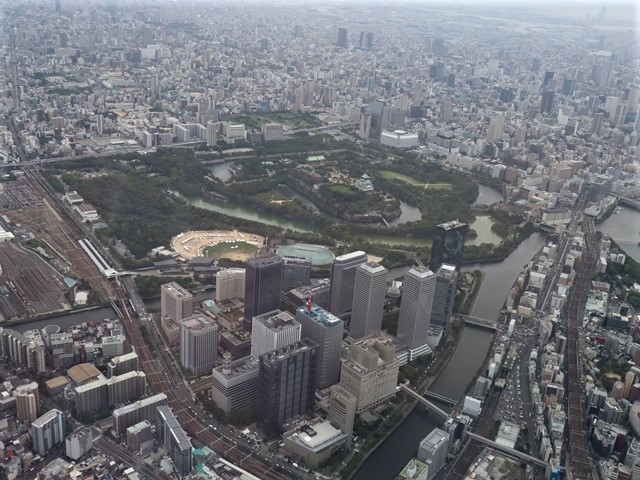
(343, 277)
(263, 278)
(448, 244)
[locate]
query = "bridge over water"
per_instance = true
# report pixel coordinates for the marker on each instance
(480, 322)
(509, 451)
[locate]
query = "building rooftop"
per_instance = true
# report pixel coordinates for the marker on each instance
(434, 439)
(160, 397)
(279, 354)
(320, 316)
(414, 469)
(421, 272)
(277, 320)
(197, 322)
(316, 436)
(238, 367)
(133, 429)
(173, 288)
(83, 372)
(451, 225)
(47, 417)
(351, 256)
(373, 267)
(56, 382)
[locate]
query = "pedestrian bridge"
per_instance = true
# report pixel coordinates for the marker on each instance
(479, 322)
(440, 398)
(509, 451)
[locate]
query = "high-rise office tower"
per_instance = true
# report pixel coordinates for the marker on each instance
(418, 291)
(633, 98)
(495, 131)
(263, 278)
(79, 443)
(568, 86)
(27, 401)
(58, 8)
(448, 244)
(198, 344)
(342, 410)
(446, 111)
(366, 40)
(320, 290)
(343, 277)
(433, 451)
(371, 373)
(368, 299)
(326, 331)
(175, 439)
(230, 284)
(273, 330)
(47, 431)
(444, 296)
(296, 271)
(548, 76)
(546, 105)
(340, 36)
(286, 385)
(175, 302)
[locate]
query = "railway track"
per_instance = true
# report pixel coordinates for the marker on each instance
(581, 466)
(158, 382)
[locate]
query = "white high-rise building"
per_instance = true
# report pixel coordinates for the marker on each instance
(230, 284)
(79, 443)
(343, 275)
(47, 431)
(198, 344)
(212, 133)
(368, 299)
(418, 290)
(273, 330)
(175, 302)
(433, 451)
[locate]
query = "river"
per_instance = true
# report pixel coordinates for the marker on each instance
(474, 345)
(482, 224)
(624, 228)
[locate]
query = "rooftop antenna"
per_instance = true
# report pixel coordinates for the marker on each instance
(309, 302)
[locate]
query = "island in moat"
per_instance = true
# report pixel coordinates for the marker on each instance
(243, 241)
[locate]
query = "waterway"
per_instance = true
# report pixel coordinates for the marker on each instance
(487, 195)
(246, 213)
(221, 170)
(499, 277)
(624, 228)
(472, 349)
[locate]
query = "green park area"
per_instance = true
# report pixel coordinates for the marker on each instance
(132, 195)
(293, 120)
(230, 250)
(395, 176)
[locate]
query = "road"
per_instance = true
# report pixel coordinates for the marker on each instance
(164, 377)
(121, 454)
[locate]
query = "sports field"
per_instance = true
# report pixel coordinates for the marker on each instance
(232, 251)
(233, 245)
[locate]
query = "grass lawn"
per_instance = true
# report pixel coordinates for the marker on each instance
(389, 175)
(229, 250)
(275, 195)
(293, 120)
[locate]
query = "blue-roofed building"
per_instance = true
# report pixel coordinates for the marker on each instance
(326, 330)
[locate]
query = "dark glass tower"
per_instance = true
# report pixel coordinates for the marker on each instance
(286, 384)
(448, 244)
(261, 286)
